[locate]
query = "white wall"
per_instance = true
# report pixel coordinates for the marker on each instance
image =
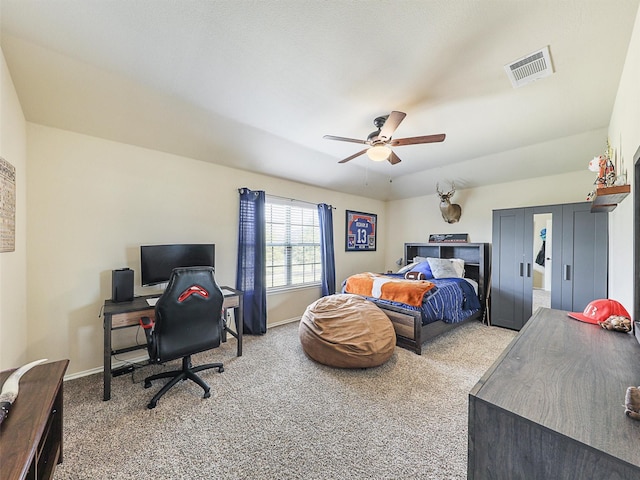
(13, 314)
(93, 202)
(413, 219)
(624, 134)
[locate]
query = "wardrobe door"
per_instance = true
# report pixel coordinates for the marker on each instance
(585, 253)
(508, 269)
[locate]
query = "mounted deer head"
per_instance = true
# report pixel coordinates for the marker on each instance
(450, 211)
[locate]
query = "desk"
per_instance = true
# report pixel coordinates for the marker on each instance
(31, 435)
(127, 314)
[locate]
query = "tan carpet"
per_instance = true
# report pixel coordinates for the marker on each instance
(276, 414)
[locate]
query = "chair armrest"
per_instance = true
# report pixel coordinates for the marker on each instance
(147, 324)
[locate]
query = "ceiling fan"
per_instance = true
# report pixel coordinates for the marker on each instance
(380, 141)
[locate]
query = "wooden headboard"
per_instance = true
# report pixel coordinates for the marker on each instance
(476, 258)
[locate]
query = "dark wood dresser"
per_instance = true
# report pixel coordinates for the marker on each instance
(552, 405)
(31, 435)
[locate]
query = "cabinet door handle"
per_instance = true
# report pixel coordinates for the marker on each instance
(567, 272)
(528, 270)
(521, 269)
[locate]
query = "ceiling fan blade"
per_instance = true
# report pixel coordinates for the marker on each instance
(393, 159)
(414, 140)
(391, 124)
(344, 139)
(353, 156)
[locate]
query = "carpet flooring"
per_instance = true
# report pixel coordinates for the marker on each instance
(276, 414)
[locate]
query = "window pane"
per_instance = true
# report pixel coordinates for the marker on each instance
(310, 255)
(307, 234)
(278, 233)
(296, 216)
(310, 217)
(309, 272)
(297, 255)
(278, 276)
(297, 274)
(278, 256)
(297, 234)
(293, 244)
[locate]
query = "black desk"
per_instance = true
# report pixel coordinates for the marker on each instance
(127, 314)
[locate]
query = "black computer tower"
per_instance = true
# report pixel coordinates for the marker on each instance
(122, 285)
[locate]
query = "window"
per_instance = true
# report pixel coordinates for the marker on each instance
(292, 242)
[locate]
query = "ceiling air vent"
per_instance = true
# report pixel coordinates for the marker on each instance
(530, 68)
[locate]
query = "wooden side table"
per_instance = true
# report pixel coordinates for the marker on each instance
(31, 435)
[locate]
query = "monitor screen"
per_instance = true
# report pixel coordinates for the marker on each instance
(157, 261)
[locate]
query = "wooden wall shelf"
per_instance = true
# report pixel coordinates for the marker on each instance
(608, 198)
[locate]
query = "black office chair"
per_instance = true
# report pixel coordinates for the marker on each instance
(188, 320)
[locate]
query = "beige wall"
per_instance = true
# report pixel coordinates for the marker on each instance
(13, 302)
(90, 204)
(624, 134)
(413, 219)
(93, 202)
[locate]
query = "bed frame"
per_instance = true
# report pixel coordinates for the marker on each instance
(410, 333)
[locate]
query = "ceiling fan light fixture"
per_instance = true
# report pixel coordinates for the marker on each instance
(379, 153)
(380, 141)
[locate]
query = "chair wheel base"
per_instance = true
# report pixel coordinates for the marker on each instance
(188, 372)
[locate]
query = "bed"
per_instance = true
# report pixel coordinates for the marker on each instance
(448, 302)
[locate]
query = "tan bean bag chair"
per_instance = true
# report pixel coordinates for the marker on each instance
(346, 331)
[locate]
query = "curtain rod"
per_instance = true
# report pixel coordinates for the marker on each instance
(296, 200)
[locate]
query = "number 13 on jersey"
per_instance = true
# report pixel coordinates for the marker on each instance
(360, 231)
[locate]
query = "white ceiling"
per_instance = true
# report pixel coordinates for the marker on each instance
(256, 84)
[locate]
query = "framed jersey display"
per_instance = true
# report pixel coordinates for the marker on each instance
(360, 232)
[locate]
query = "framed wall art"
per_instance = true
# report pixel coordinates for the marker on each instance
(7, 206)
(360, 231)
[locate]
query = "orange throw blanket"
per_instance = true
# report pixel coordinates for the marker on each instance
(400, 290)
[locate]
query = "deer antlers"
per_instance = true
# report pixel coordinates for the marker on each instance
(447, 195)
(450, 211)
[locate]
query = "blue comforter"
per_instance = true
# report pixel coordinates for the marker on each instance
(453, 300)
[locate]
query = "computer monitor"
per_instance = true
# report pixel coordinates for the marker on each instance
(157, 261)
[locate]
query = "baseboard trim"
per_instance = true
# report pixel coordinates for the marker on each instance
(144, 358)
(283, 322)
(116, 364)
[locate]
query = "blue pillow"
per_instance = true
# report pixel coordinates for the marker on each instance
(424, 268)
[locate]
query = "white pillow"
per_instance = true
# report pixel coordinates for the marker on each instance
(458, 264)
(446, 268)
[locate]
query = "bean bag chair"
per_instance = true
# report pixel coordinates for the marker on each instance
(346, 331)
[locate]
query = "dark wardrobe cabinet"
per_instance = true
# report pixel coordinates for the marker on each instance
(579, 253)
